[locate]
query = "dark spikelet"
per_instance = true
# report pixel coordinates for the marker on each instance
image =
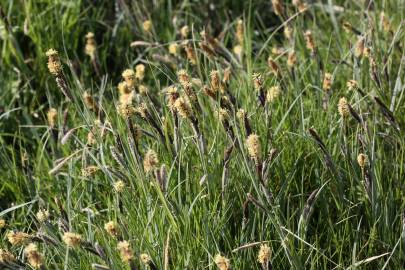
(387, 113)
(355, 115)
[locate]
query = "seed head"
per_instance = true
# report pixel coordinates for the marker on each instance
(172, 95)
(223, 115)
(129, 77)
(89, 101)
(91, 45)
(52, 116)
(2, 223)
(142, 110)
(90, 171)
(277, 7)
(183, 76)
(343, 107)
(273, 66)
(54, 64)
(257, 81)
(264, 254)
(215, 80)
(241, 114)
(119, 186)
(191, 54)
(239, 32)
(254, 147)
(327, 82)
(174, 49)
(292, 59)
(143, 89)
(352, 85)
(125, 251)
(359, 48)
(72, 239)
(151, 161)
(18, 238)
(42, 215)
(147, 26)
(222, 262)
(123, 88)
(309, 39)
(145, 258)
(111, 228)
(288, 32)
(183, 107)
(140, 71)
(126, 110)
(184, 31)
(34, 258)
(362, 160)
(273, 93)
(6, 256)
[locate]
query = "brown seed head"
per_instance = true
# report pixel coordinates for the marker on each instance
(183, 107)
(239, 32)
(343, 107)
(273, 93)
(54, 64)
(362, 160)
(222, 262)
(42, 215)
(34, 258)
(145, 258)
(151, 161)
(257, 81)
(72, 239)
(125, 251)
(264, 254)
(129, 77)
(254, 147)
(111, 228)
(6, 256)
(18, 238)
(52, 117)
(292, 59)
(327, 82)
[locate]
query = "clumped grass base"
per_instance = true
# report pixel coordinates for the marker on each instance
(262, 125)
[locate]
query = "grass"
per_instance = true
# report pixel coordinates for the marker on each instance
(195, 182)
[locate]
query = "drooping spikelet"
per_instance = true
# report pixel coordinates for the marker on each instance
(34, 257)
(111, 228)
(54, 64)
(6, 256)
(91, 45)
(327, 82)
(52, 117)
(42, 215)
(140, 71)
(151, 161)
(125, 250)
(264, 254)
(222, 262)
(72, 239)
(273, 93)
(362, 160)
(183, 107)
(147, 26)
(119, 186)
(18, 238)
(254, 147)
(343, 107)
(129, 77)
